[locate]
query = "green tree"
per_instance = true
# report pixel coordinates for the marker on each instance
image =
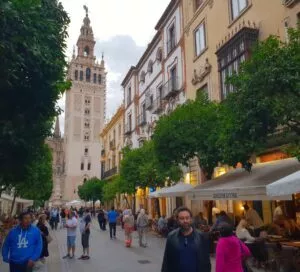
(91, 190)
(38, 183)
(266, 99)
(32, 78)
(190, 131)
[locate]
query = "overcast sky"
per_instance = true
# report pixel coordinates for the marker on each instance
(122, 29)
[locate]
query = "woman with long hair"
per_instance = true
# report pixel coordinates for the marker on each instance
(231, 252)
(128, 227)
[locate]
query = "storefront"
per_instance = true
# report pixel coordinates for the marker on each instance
(230, 191)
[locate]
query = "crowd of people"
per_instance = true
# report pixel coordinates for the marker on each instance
(189, 239)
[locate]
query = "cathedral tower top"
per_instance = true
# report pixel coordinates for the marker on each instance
(86, 41)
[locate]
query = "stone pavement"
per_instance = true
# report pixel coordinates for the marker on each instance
(106, 255)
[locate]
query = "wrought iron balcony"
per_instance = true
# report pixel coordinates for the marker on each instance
(142, 119)
(171, 88)
(149, 102)
(112, 144)
(128, 129)
(109, 173)
(157, 105)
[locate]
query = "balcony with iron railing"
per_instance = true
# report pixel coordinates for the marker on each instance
(142, 119)
(128, 129)
(171, 88)
(149, 102)
(171, 43)
(109, 173)
(157, 105)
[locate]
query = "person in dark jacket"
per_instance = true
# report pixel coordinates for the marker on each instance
(187, 249)
(45, 232)
(102, 220)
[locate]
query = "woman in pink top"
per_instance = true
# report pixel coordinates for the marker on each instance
(230, 251)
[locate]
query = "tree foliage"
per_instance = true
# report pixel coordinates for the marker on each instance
(91, 190)
(32, 78)
(38, 184)
(190, 131)
(141, 168)
(266, 98)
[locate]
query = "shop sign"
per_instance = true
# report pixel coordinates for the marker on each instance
(225, 195)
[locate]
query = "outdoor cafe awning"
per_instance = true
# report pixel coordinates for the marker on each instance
(285, 186)
(177, 190)
(239, 184)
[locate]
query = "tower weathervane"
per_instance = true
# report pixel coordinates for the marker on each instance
(86, 9)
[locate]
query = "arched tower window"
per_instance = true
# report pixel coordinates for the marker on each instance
(88, 75)
(76, 74)
(81, 75)
(150, 67)
(86, 51)
(95, 78)
(99, 79)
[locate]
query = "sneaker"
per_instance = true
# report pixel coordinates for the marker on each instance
(71, 257)
(67, 256)
(86, 257)
(81, 257)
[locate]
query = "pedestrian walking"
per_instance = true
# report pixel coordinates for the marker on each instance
(71, 226)
(45, 236)
(101, 220)
(85, 225)
(142, 225)
(187, 249)
(231, 252)
(112, 220)
(128, 227)
(53, 219)
(23, 245)
(63, 217)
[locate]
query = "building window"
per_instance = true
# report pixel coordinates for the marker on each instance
(159, 54)
(150, 67)
(86, 136)
(113, 161)
(81, 75)
(76, 74)
(86, 51)
(87, 112)
(95, 78)
(142, 77)
(232, 54)
(171, 39)
(120, 130)
(237, 7)
(89, 166)
(82, 166)
(160, 92)
(86, 124)
(88, 74)
(99, 79)
(200, 40)
(198, 3)
(87, 101)
(129, 122)
(86, 151)
(129, 96)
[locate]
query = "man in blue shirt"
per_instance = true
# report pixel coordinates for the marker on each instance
(22, 246)
(112, 220)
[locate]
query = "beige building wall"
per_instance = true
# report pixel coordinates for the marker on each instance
(268, 16)
(112, 140)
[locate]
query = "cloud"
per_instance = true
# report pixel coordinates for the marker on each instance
(120, 52)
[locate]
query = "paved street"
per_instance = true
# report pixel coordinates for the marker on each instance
(106, 255)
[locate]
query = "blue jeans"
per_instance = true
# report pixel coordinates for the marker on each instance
(71, 241)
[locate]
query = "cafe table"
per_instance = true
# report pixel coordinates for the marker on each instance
(291, 244)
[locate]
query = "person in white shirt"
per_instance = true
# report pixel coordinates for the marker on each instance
(71, 226)
(243, 234)
(278, 212)
(254, 220)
